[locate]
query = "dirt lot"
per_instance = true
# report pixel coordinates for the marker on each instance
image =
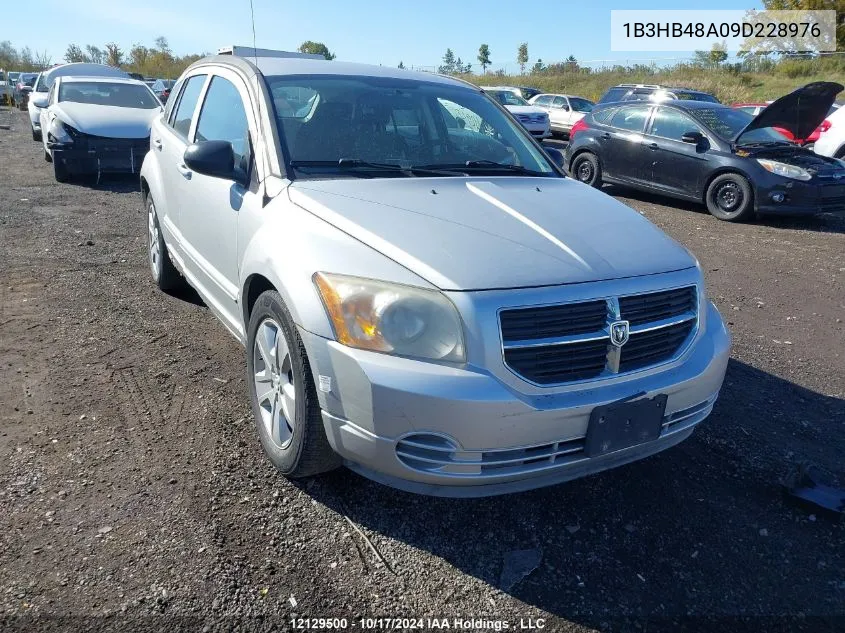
(134, 494)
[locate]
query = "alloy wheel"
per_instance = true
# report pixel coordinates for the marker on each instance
(275, 384)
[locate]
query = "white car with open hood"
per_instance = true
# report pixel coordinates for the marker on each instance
(93, 125)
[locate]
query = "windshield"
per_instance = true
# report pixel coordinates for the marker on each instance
(507, 98)
(581, 105)
(27, 79)
(728, 123)
(326, 119)
(120, 95)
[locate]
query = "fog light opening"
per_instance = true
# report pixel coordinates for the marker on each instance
(778, 197)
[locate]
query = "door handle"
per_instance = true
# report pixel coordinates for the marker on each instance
(158, 144)
(653, 146)
(183, 169)
(606, 135)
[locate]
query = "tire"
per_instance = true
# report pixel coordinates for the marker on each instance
(284, 403)
(47, 156)
(730, 198)
(36, 135)
(60, 171)
(164, 273)
(586, 169)
(840, 153)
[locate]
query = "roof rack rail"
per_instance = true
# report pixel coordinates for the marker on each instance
(655, 86)
(249, 51)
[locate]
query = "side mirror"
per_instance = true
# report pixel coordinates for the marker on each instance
(555, 154)
(692, 137)
(461, 123)
(26, 89)
(212, 158)
(565, 108)
(40, 102)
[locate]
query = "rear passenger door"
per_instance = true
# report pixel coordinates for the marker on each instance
(623, 154)
(675, 166)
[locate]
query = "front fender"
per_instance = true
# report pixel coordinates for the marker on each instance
(286, 245)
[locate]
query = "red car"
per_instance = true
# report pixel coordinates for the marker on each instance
(756, 108)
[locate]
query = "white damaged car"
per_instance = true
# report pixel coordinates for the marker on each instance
(533, 118)
(95, 125)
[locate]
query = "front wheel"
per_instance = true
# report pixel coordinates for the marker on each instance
(586, 169)
(284, 398)
(730, 198)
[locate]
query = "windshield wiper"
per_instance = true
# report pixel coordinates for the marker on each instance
(358, 164)
(485, 164)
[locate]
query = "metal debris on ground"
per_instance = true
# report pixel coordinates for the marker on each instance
(804, 485)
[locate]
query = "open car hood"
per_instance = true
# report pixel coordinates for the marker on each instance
(800, 112)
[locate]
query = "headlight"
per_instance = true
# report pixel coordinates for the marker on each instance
(782, 169)
(392, 318)
(59, 132)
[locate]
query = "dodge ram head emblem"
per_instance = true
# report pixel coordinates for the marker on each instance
(619, 331)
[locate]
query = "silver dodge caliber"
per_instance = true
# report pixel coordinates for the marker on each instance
(422, 295)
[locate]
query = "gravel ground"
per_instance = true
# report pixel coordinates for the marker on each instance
(134, 494)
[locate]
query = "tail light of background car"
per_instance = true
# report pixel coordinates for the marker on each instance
(825, 126)
(579, 125)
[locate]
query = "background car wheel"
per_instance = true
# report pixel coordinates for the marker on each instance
(284, 398)
(36, 135)
(164, 273)
(729, 197)
(60, 171)
(586, 169)
(47, 156)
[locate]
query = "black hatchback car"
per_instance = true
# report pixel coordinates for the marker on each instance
(735, 163)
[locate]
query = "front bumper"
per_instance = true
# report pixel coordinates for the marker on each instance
(101, 155)
(820, 195)
(377, 401)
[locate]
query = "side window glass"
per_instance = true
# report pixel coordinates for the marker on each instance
(559, 102)
(632, 119)
(223, 118)
(171, 103)
(51, 95)
(669, 123)
(464, 117)
(543, 101)
(187, 104)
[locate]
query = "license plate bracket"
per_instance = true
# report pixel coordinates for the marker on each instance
(620, 425)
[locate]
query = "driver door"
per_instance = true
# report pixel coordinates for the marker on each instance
(211, 205)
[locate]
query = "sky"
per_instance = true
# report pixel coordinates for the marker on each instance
(369, 31)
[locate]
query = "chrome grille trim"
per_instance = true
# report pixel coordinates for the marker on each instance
(684, 298)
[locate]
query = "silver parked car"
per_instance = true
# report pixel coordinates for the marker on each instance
(422, 295)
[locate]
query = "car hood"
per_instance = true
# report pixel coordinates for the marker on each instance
(529, 109)
(102, 120)
(816, 164)
(488, 233)
(800, 112)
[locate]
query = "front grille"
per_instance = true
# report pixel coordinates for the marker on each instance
(570, 342)
(648, 348)
(538, 323)
(638, 309)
